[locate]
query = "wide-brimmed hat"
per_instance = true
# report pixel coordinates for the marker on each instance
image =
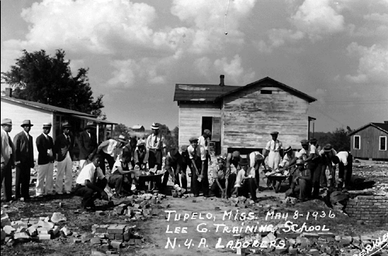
(274, 133)
(122, 139)
(193, 139)
(6, 121)
(90, 124)
(26, 123)
(299, 162)
(47, 125)
(327, 148)
(243, 162)
(66, 125)
(155, 126)
(288, 149)
(304, 142)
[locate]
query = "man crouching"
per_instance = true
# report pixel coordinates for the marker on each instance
(90, 184)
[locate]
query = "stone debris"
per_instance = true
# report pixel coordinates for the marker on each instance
(27, 229)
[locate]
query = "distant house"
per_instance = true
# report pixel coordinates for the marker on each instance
(138, 128)
(39, 113)
(241, 117)
(370, 141)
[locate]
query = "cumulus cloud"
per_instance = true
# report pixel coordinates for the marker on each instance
(232, 69)
(318, 18)
(372, 65)
(277, 38)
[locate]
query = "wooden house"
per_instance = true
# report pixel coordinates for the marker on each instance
(39, 113)
(370, 141)
(242, 117)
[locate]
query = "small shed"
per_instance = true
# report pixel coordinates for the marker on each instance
(39, 113)
(241, 117)
(370, 141)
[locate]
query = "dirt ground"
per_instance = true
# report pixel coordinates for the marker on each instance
(211, 222)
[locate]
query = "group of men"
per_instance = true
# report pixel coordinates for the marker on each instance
(19, 153)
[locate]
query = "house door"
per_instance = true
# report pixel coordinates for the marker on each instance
(214, 125)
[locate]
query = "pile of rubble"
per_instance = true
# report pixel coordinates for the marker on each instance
(26, 229)
(115, 236)
(324, 243)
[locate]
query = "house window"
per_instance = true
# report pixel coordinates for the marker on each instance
(357, 142)
(266, 92)
(383, 143)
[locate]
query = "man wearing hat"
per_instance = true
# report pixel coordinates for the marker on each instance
(156, 146)
(301, 182)
(199, 176)
(256, 159)
(272, 151)
(87, 144)
(109, 150)
(310, 154)
(63, 146)
(24, 160)
(7, 158)
(45, 145)
(245, 180)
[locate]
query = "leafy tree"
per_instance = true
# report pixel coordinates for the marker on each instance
(340, 140)
(48, 79)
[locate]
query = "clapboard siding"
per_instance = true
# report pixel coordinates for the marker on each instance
(190, 119)
(18, 114)
(369, 144)
(249, 116)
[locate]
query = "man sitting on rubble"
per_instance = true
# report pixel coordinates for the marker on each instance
(122, 177)
(300, 182)
(219, 175)
(232, 160)
(90, 184)
(245, 180)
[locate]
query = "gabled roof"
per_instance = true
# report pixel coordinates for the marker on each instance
(53, 109)
(215, 92)
(381, 126)
(200, 92)
(267, 81)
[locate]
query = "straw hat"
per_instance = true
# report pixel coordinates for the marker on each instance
(47, 125)
(26, 123)
(155, 126)
(6, 121)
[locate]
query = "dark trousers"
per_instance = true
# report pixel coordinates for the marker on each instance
(155, 159)
(22, 181)
(89, 195)
(316, 169)
(299, 189)
(196, 186)
(215, 189)
(231, 181)
(249, 186)
(121, 183)
(109, 158)
(6, 176)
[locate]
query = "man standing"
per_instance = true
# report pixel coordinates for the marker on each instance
(199, 177)
(156, 147)
(327, 154)
(310, 155)
(45, 145)
(87, 144)
(256, 159)
(272, 151)
(232, 165)
(7, 158)
(24, 160)
(63, 148)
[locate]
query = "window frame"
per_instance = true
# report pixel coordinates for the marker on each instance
(359, 142)
(385, 146)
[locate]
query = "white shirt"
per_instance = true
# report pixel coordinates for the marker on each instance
(273, 145)
(200, 151)
(88, 172)
(287, 159)
(343, 157)
(110, 147)
(202, 142)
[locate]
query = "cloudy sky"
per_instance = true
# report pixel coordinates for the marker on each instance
(136, 51)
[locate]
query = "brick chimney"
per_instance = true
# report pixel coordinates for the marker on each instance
(222, 77)
(8, 92)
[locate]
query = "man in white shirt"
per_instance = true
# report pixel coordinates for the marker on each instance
(199, 176)
(90, 184)
(109, 150)
(156, 147)
(245, 183)
(256, 159)
(345, 164)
